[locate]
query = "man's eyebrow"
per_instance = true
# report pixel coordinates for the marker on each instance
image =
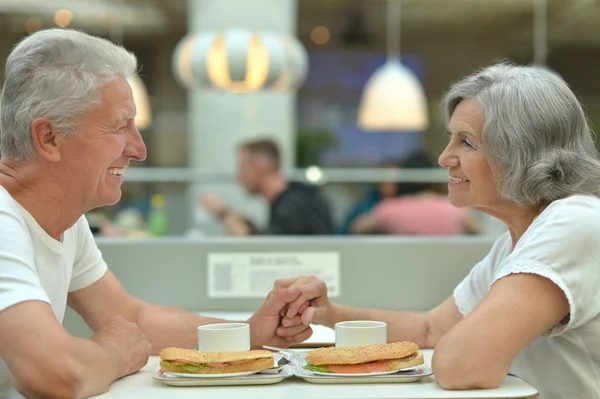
(128, 118)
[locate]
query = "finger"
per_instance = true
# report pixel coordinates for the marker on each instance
(283, 283)
(295, 321)
(301, 337)
(296, 305)
(308, 316)
(277, 301)
(310, 290)
(303, 307)
(291, 331)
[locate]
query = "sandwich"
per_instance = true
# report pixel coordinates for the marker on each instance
(364, 359)
(190, 361)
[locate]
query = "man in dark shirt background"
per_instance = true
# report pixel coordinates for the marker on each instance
(295, 208)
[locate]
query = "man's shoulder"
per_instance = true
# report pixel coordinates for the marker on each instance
(296, 189)
(10, 216)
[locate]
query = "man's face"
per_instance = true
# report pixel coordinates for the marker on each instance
(249, 172)
(107, 139)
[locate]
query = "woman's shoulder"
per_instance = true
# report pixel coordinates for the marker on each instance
(572, 222)
(583, 210)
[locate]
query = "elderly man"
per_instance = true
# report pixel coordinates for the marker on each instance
(67, 137)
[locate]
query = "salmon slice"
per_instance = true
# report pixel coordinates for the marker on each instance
(363, 368)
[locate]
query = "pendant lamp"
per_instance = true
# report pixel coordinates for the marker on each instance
(393, 98)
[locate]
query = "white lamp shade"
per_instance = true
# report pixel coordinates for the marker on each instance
(393, 100)
(143, 118)
(240, 60)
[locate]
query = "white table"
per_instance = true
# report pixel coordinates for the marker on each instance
(141, 384)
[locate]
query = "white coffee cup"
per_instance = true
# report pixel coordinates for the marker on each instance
(360, 333)
(224, 337)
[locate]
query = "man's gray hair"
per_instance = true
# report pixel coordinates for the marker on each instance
(535, 135)
(57, 74)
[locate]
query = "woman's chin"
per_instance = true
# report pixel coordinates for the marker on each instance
(457, 201)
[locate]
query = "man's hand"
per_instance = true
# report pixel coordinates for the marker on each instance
(213, 204)
(265, 324)
(311, 305)
(126, 343)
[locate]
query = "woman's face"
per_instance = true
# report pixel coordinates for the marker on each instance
(472, 183)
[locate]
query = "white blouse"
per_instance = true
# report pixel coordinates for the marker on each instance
(562, 245)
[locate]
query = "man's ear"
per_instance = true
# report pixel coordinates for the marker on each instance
(45, 139)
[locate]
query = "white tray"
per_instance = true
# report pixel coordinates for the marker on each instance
(413, 375)
(261, 378)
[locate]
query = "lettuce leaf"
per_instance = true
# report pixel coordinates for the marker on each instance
(319, 369)
(189, 367)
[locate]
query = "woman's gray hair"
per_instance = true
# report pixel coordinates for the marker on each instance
(57, 74)
(535, 135)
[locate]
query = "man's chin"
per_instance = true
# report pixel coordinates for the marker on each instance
(109, 200)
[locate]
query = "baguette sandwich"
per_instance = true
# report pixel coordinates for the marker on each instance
(364, 359)
(191, 361)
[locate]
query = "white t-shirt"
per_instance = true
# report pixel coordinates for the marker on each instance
(36, 267)
(563, 245)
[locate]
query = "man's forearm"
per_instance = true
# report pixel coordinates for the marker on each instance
(402, 326)
(165, 326)
(90, 369)
(235, 224)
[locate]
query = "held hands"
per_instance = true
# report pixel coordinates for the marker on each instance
(265, 324)
(126, 343)
(285, 317)
(311, 304)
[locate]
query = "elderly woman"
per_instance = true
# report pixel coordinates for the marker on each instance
(520, 150)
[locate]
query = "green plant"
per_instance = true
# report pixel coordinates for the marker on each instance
(310, 143)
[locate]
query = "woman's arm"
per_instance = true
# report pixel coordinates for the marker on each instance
(479, 350)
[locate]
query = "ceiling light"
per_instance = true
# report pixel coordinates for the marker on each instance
(320, 35)
(393, 98)
(63, 18)
(143, 118)
(240, 60)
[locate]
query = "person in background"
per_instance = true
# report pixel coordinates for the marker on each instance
(385, 189)
(294, 208)
(418, 210)
(520, 150)
(68, 135)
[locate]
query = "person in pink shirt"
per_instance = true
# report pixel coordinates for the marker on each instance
(423, 212)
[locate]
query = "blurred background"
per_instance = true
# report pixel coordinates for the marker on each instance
(349, 90)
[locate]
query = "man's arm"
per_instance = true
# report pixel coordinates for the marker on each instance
(163, 326)
(236, 225)
(45, 361)
(233, 222)
(166, 326)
